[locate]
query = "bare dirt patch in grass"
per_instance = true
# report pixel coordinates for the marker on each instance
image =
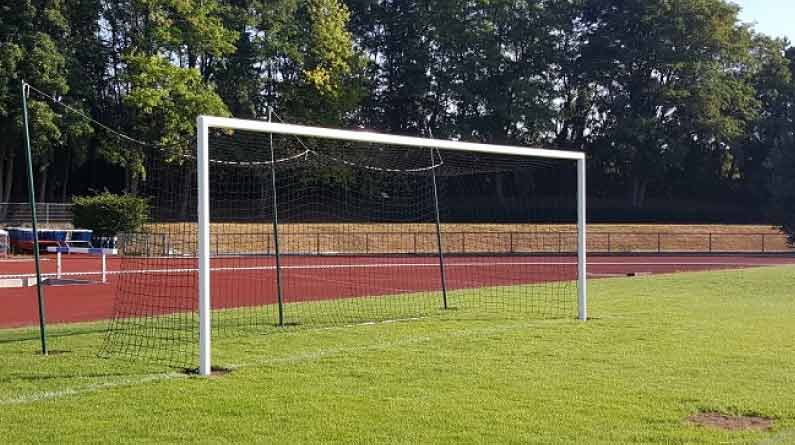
(731, 423)
(215, 372)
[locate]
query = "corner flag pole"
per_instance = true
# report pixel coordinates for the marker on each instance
(32, 199)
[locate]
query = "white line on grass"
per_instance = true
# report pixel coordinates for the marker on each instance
(49, 395)
(779, 438)
(300, 357)
(331, 352)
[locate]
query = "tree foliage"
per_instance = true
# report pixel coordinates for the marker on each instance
(672, 99)
(778, 129)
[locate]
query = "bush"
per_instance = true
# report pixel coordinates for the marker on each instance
(108, 214)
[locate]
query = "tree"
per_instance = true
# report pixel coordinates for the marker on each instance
(306, 64)
(399, 39)
(670, 98)
(166, 100)
(665, 68)
(32, 38)
(782, 156)
(571, 75)
(782, 186)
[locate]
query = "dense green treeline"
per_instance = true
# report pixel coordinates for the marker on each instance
(674, 100)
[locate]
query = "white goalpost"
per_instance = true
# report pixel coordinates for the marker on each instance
(206, 124)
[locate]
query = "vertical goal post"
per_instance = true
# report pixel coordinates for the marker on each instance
(205, 123)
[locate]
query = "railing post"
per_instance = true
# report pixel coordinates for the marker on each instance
(710, 242)
(104, 267)
(58, 265)
(608, 243)
(510, 242)
(659, 244)
(763, 243)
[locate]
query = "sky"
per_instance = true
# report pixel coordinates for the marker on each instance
(772, 17)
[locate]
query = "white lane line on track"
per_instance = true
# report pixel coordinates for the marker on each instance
(21, 260)
(389, 265)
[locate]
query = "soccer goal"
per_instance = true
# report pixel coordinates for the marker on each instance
(266, 224)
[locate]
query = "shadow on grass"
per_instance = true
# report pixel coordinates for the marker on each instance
(16, 337)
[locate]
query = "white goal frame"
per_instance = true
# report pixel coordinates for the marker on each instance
(204, 123)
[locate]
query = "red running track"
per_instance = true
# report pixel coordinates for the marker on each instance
(250, 280)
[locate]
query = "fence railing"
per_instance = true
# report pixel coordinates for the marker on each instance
(18, 213)
(5, 244)
(696, 242)
(461, 242)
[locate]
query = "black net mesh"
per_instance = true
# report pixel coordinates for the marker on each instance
(355, 226)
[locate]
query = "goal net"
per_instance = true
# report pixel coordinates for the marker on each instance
(265, 225)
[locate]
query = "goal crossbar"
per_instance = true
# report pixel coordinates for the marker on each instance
(204, 123)
(385, 139)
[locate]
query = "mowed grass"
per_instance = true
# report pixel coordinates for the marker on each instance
(658, 349)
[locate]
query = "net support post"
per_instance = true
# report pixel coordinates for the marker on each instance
(203, 183)
(34, 222)
(582, 288)
(439, 245)
(275, 222)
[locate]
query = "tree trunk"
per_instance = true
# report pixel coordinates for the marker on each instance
(49, 190)
(499, 183)
(186, 202)
(638, 197)
(9, 177)
(642, 194)
(41, 194)
(133, 184)
(66, 175)
(3, 209)
(2, 178)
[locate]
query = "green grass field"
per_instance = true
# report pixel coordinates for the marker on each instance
(658, 349)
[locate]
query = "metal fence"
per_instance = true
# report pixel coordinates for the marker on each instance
(18, 213)
(456, 242)
(459, 243)
(514, 242)
(695, 242)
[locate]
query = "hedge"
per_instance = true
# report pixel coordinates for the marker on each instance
(108, 214)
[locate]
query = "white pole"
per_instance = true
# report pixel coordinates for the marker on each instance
(104, 268)
(58, 265)
(202, 160)
(582, 269)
